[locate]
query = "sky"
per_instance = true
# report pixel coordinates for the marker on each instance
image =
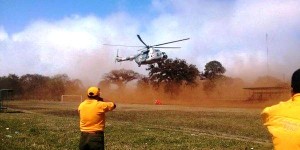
(250, 38)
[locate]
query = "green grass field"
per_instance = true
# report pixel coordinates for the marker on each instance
(53, 125)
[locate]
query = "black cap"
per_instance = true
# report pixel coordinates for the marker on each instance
(296, 81)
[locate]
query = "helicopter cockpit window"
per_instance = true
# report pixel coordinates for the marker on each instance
(144, 55)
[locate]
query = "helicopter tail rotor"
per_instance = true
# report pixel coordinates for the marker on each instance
(117, 56)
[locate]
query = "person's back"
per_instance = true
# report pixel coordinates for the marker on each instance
(92, 120)
(283, 122)
(283, 119)
(92, 114)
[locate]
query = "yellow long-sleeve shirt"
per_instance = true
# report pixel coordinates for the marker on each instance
(92, 114)
(283, 122)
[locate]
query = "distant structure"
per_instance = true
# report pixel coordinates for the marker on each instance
(266, 93)
(5, 94)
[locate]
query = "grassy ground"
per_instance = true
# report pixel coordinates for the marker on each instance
(55, 125)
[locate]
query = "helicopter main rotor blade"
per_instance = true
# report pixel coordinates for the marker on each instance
(164, 47)
(142, 41)
(142, 49)
(121, 45)
(171, 42)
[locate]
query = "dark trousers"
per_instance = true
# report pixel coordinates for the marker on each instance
(92, 141)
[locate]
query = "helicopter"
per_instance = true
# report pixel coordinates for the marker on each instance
(148, 55)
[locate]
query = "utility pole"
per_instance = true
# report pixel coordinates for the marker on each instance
(267, 54)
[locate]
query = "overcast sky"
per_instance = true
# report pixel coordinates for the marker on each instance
(48, 37)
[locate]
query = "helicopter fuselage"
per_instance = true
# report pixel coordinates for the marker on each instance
(147, 55)
(150, 56)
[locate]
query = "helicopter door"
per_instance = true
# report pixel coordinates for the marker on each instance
(140, 59)
(151, 53)
(156, 54)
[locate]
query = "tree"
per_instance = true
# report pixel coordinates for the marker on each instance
(57, 85)
(61, 84)
(12, 81)
(143, 82)
(120, 77)
(74, 86)
(172, 74)
(213, 70)
(34, 86)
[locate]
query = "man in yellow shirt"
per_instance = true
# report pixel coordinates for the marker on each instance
(283, 119)
(92, 120)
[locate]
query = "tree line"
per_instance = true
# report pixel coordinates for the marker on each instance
(40, 87)
(175, 75)
(170, 76)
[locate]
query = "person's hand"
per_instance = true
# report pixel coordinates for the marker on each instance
(99, 98)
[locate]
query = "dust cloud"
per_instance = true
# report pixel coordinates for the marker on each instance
(224, 94)
(73, 45)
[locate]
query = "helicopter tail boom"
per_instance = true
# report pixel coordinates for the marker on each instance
(119, 59)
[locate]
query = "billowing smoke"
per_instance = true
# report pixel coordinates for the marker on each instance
(233, 33)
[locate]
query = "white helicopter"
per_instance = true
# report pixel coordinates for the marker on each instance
(148, 54)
